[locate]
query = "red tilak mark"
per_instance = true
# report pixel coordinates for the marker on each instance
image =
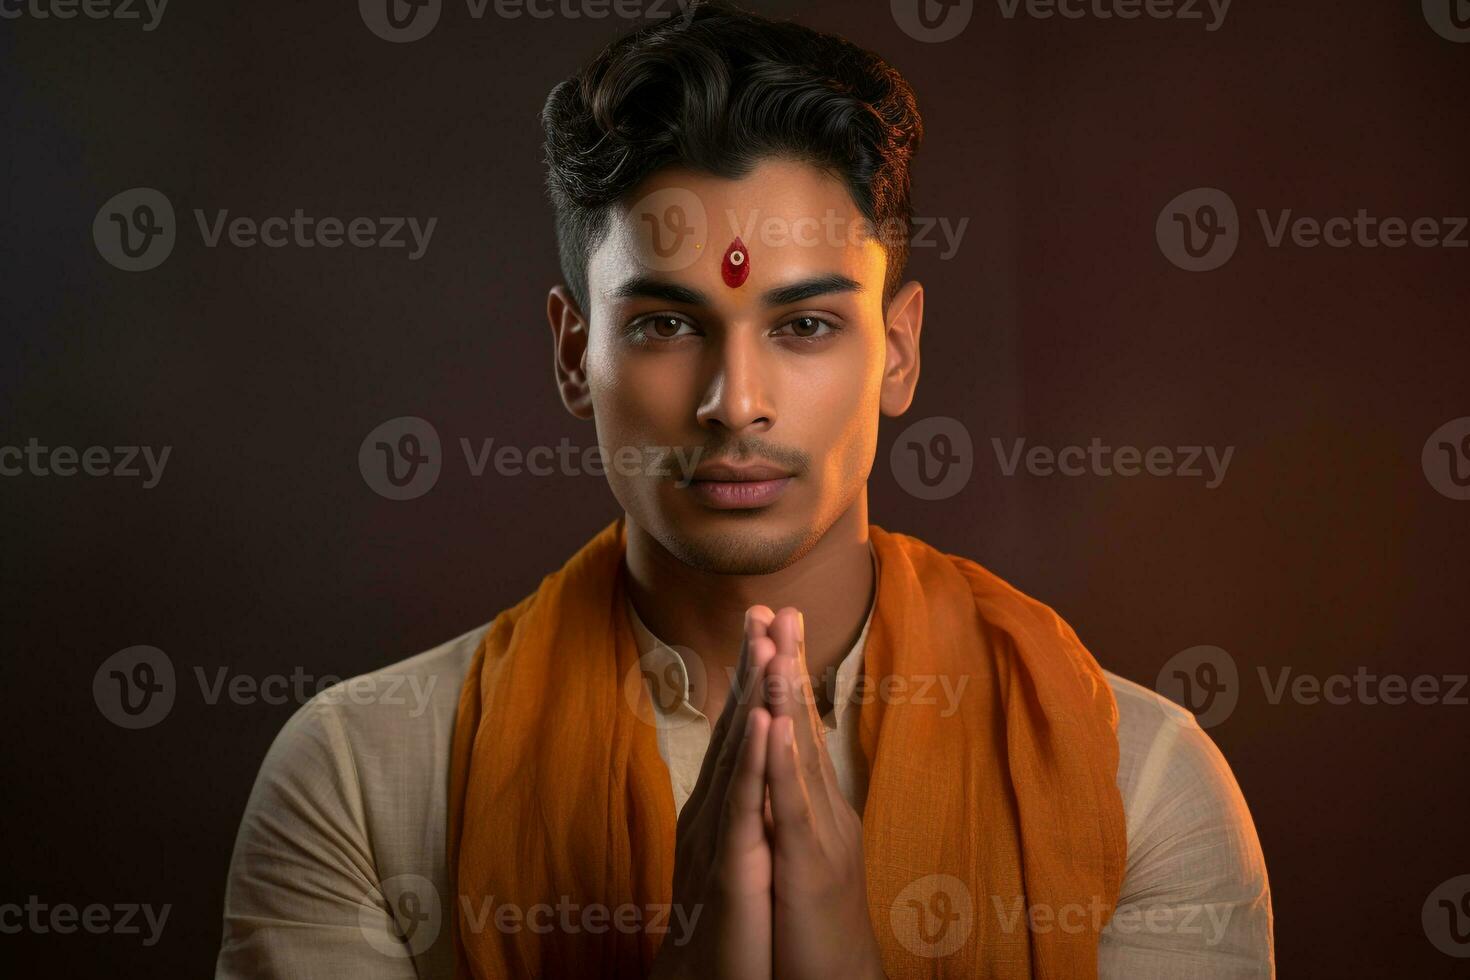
(736, 266)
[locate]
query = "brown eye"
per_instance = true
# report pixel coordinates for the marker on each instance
(807, 327)
(662, 327)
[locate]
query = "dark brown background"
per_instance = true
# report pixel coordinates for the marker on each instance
(1059, 320)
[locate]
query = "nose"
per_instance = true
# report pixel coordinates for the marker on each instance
(737, 395)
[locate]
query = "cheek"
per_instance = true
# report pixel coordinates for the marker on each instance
(842, 406)
(634, 401)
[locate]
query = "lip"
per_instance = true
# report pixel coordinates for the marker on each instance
(739, 494)
(727, 473)
(722, 485)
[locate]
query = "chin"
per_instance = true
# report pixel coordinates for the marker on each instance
(737, 543)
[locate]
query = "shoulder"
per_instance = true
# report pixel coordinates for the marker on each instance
(1148, 721)
(401, 707)
(1170, 772)
(1196, 884)
(387, 727)
(350, 798)
(1163, 754)
(364, 765)
(365, 726)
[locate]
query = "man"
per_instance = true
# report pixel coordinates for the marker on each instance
(915, 770)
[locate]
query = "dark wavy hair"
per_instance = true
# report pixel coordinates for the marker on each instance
(717, 94)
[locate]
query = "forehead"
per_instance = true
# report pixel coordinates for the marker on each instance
(794, 220)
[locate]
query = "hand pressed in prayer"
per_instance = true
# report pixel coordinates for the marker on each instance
(722, 854)
(820, 900)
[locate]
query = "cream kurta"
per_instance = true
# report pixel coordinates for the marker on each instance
(348, 818)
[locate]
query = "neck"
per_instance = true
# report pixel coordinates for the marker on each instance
(832, 585)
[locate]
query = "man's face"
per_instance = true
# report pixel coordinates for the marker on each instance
(781, 372)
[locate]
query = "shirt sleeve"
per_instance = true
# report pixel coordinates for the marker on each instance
(1195, 901)
(303, 899)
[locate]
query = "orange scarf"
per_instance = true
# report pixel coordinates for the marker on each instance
(994, 838)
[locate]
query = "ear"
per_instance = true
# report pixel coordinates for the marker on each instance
(569, 351)
(901, 335)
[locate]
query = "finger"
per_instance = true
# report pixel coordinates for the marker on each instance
(793, 692)
(741, 820)
(762, 651)
(793, 824)
(757, 625)
(753, 627)
(719, 757)
(746, 683)
(787, 631)
(783, 683)
(819, 728)
(761, 616)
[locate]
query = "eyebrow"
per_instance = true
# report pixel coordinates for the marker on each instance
(810, 288)
(645, 287)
